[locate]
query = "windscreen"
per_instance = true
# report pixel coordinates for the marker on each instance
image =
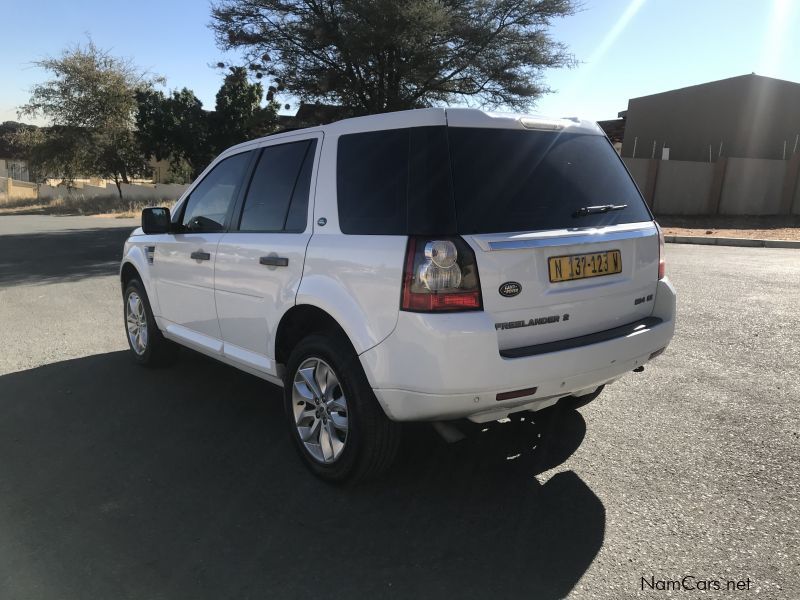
(510, 180)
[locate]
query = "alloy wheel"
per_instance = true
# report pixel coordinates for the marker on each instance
(320, 410)
(136, 320)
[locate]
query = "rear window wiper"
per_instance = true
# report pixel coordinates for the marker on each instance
(594, 210)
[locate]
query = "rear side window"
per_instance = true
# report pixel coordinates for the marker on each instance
(208, 205)
(510, 180)
(277, 199)
(395, 182)
(372, 182)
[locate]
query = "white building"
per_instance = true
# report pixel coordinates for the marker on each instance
(14, 168)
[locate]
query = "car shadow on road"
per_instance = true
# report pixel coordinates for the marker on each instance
(67, 255)
(123, 482)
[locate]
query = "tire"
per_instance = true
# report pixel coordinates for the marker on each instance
(148, 346)
(575, 402)
(362, 440)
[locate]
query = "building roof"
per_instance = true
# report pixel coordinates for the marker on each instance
(740, 79)
(748, 116)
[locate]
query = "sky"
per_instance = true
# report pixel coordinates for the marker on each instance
(626, 48)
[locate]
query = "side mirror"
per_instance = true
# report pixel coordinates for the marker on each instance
(156, 220)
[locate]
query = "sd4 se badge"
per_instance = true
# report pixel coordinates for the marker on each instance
(509, 289)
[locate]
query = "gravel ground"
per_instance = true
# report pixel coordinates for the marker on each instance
(120, 482)
(757, 228)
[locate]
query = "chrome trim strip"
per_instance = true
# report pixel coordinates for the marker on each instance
(569, 238)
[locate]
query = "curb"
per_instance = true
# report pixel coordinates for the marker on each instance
(725, 241)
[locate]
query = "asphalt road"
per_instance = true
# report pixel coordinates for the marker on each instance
(122, 482)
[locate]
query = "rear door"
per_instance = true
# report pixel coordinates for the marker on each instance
(260, 260)
(550, 267)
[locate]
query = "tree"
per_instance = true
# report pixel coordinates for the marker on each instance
(382, 55)
(11, 134)
(176, 127)
(90, 103)
(53, 151)
(238, 114)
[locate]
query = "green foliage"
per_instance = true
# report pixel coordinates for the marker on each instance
(176, 127)
(381, 55)
(10, 141)
(90, 102)
(57, 151)
(238, 115)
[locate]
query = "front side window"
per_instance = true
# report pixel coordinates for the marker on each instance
(210, 202)
(277, 199)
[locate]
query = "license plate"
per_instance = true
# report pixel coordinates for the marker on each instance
(581, 266)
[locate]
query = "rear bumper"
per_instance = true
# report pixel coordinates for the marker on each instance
(447, 366)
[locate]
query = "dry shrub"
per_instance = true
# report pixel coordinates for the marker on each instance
(96, 205)
(20, 202)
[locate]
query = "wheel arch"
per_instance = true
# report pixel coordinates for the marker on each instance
(135, 264)
(128, 272)
(303, 320)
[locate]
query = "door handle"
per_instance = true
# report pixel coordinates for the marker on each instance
(274, 261)
(200, 255)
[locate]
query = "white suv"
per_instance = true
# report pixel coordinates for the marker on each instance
(432, 264)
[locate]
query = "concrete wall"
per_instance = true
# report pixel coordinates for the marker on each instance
(156, 191)
(11, 189)
(733, 186)
(638, 168)
(795, 200)
(752, 187)
(682, 187)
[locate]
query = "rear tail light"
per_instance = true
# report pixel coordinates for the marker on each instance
(662, 261)
(441, 274)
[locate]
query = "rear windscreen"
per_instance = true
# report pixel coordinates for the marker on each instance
(507, 180)
(448, 180)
